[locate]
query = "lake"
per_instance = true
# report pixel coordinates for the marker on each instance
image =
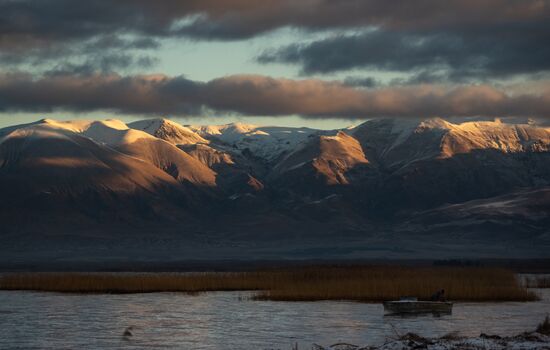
(228, 320)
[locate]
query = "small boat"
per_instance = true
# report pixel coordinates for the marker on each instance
(411, 305)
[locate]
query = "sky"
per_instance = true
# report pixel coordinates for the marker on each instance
(316, 63)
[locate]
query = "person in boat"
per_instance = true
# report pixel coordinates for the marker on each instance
(439, 295)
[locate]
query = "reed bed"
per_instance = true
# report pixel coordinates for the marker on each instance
(368, 284)
(390, 283)
(134, 282)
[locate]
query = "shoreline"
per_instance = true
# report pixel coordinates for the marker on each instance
(410, 341)
(535, 265)
(533, 340)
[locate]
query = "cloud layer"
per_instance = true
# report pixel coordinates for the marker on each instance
(260, 95)
(445, 55)
(48, 20)
(448, 55)
(461, 38)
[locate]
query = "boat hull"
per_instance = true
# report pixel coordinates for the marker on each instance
(412, 307)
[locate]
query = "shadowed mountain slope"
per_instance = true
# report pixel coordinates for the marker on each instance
(241, 186)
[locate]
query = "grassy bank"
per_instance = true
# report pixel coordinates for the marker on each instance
(306, 283)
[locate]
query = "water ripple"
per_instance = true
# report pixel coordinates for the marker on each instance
(32, 320)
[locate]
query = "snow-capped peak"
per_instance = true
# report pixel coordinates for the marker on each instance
(168, 130)
(267, 142)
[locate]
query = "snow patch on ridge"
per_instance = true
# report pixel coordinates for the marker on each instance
(266, 142)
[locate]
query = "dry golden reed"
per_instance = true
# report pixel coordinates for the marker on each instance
(369, 284)
(389, 283)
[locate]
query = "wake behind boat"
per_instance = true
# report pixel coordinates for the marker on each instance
(409, 305)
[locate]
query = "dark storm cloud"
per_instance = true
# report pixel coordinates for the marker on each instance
(432, 56)
(106, 54)
(260, 95)
(235, 19)
(69, 36)
(491, 37)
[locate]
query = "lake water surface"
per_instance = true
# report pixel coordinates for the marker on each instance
(226, 320)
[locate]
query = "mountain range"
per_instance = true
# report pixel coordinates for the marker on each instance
(155, 190)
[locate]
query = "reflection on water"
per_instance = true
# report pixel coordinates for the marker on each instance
(30, 320)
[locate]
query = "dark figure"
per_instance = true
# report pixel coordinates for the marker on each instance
(128, 332)
(439, 295)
